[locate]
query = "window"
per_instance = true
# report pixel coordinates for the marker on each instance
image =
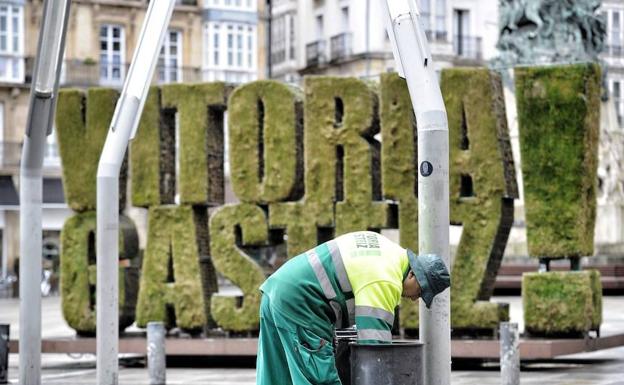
(440, 16)
(319, 27)
(112, 54)
(345, 19)
(230, 46)
(292, 51)
(170, 59)
(616, 28)
(617, 100)
(239, 47)
(250, 47)
(11, 43)
(425, 14)
(278, 48)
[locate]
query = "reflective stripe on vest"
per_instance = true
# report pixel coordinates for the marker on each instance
(374, 312)
(374, 334)
(328, 290)
(351, 310)
(341, 272)
(321, 274)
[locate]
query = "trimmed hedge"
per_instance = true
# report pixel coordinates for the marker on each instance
(236, 266)
(82, 123)
(596, 286)
(482, 189)
(265, 141)
(152, 154)
(559, 117)
(342, 178)
(557, 303)
(399, 173)
(200, 114)
(171, 281)
(78, 272)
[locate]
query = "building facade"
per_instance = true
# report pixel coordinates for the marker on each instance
(230, 41)
(101, 39)
(348, 37)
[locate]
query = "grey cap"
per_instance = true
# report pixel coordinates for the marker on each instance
(431, 273)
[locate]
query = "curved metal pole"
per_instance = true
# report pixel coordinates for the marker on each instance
(122, 129)
(44, 90)
(411, 52)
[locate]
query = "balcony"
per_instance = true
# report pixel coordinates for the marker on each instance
(315, 53)
(89, 73)
(615, 51)
(11, 154)
(341, 46)
(436, 36)
(467, 47)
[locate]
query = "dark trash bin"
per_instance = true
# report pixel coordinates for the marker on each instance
(398, 363)
(4, 353)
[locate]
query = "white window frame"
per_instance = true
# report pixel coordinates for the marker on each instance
(12, 56)
(107, 66)
(166, 72)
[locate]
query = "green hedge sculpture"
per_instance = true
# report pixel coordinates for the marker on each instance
(236, 266)
(171, 281)
(82, 123)
(200, 110)
(265, 142)
(559, 117)
(557, 303)
(596, 286)
(152, 156)
(341, 165)
(78, 272)
(399, 174)
(482, 189)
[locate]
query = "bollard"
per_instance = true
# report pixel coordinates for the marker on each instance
(156, 356)
(4, 354)
(398, 363)
(509, 354)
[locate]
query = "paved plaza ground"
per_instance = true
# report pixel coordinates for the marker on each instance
(599, 368)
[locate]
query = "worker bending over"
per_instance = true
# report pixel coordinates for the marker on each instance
(357, 278)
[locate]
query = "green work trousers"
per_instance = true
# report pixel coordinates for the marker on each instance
(290, 354)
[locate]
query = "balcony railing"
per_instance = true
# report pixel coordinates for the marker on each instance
(341, 46)
(315, 53)
(614, 50)
(11, 153)
(468, 47)
(436, 36)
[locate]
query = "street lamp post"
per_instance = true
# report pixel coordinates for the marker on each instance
(43, 98)
(414, 63)
(123, 128)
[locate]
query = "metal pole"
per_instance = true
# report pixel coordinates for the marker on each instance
(40, 116)
(509, 354)
(269, 38)
(156, 354)
(414, 61)
(123, 128)
(4, 353)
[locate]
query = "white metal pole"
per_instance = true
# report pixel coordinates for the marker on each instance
(509, 354)
(156, 353)
(123, 127)
(412, 55)
(40, 116)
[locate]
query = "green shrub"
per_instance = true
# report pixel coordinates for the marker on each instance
(81, 128)
(596, 286)
(399, 173)
(265, 142)
(557, 303)
(78, 272)
(200, 114)
(482, 189)
(559, 118)
(236, 266)
(341, 165)
(151, 156)
(171, 280)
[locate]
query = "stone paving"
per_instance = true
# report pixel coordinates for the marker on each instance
(597, 368)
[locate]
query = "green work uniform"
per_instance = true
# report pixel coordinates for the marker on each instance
(356, 279)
